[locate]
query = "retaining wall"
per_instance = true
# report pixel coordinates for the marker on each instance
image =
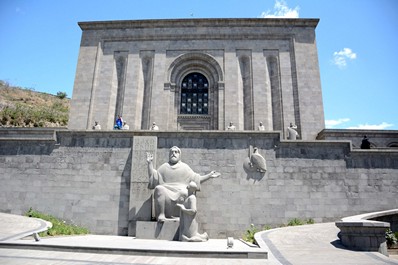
(86, 177)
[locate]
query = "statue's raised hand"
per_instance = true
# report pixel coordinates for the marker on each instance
(149, 157)
(181, 206)
(214, 174)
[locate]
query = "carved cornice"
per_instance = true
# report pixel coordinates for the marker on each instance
(197, 29)
(237, 36)
(189, 23)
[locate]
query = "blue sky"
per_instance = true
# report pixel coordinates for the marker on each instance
(357, 45)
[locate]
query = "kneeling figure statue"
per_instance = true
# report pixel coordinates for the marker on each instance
(188, 224)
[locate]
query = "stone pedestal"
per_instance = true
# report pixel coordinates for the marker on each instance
(140, 207)
(168, 230)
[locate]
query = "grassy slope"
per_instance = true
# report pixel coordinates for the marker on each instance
(21, 107)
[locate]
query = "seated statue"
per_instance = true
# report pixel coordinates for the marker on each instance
(170, 182)
(188, 224)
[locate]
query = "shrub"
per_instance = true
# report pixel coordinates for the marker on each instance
(391, 238)
(266, 227)
(297, 221)
(61, 95)
(59, 227)
(249, 235)
(294, 222)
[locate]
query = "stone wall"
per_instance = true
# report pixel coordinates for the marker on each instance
(83, 179)
(378, 138)
(86, 176)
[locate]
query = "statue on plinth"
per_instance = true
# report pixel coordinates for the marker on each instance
(96, 126)
(188, 224)
(292, 133)
(231, 127)
(365, 143)
(261, 127)
(170, 182)
(154, 127)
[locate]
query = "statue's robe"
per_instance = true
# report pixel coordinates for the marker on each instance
(292, 134)
(175, 178)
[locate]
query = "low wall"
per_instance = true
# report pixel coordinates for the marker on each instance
(366, 232)
(87, 177)
(392, 219)
(378, 138)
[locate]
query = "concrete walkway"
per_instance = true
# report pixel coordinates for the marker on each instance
(315, 244)
(16, 226)
(311, 244)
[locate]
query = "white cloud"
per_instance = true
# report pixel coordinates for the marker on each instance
(332, 123)
(281, 10)
(340, 58)
(366, 126)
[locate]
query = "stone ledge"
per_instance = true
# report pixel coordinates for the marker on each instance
(359, 233)
(28, 134)
(204, 22)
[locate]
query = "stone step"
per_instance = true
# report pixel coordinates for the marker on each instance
(167, 230)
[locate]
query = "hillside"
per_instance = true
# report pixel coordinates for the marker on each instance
(21, 107)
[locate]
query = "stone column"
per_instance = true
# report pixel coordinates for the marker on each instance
(275, 89)
(132, 105)
(161, 107)
(233, 103)
(262, 102)
(246, 87)
(288, 103)
(121, 66)
(221, 102)
(92, 118)
(147, 62)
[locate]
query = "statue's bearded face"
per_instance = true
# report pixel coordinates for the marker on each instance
(174, 155)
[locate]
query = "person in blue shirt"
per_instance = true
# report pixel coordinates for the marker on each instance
(119, 123)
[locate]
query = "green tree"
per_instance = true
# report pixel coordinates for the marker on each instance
(61, 95)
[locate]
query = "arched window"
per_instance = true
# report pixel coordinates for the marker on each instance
(393, 145)
(194, 94)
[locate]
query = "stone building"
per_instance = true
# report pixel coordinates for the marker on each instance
(199, 74)
(193, 77)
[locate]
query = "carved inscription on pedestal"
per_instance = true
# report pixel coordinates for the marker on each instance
(141, 146)
(140, 195)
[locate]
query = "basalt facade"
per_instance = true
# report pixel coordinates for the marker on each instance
(199, 74)
(99, 179)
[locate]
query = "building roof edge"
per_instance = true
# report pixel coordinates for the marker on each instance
(201, 22)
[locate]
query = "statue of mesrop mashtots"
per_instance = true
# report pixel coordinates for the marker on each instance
(170, 183)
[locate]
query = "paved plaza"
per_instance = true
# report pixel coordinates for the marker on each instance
(309, 244)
